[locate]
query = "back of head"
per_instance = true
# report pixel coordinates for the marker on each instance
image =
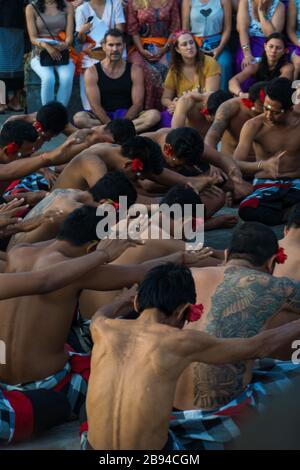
(113, 185)
(187, 144)
(17, 131)
(53, 117)
(121, 130)
(253, 242)
(280, 89)
(215, 100)
(79, 227)
(166, 288)
(294, 217)
(182, 195)
(255, 91)
(147, 151)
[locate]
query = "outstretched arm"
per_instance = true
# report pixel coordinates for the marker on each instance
(221, 122)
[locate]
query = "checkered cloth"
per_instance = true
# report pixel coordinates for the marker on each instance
(30, 408)
(271, 190)
(196, 430)
(33, 182)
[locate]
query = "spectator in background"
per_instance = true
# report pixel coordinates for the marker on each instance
(211, 26)
(293, 31)
(151, 23)
(190, 69)
(274, 63)
(256, 20)
(93, 19)
(58, 16)
(12, 52)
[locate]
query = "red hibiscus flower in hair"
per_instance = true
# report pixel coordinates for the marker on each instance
(38, 126)
(248, 103)
(195, 313)
(281, 256)
(204, 112)
(137, 165)
(116, 205)
(262, 95)
(12, 148)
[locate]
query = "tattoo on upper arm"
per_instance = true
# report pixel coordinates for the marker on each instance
(46, 202)
(222, 119)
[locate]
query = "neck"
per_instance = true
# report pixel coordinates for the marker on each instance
(152, 315)
(113, 65)
(242, 263)
(190, 62)
(97, 2)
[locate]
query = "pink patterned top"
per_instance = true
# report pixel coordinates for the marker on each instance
(153, 22)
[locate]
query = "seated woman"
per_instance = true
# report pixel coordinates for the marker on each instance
(211, 26)
(55, 18)
(293, 32)
(190, 69)
(256, 20)
(151, 23)
(274, 63)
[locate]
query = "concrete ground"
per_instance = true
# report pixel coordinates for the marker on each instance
(66, 437)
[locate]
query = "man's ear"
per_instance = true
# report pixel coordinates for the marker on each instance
(127, 163)
(225, 255)
(181, 312)
(270, 264)
(92, 246)
(136, 304)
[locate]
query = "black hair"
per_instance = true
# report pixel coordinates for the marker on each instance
(254, 242)
(280, 89)
(113, 185)
(53, 116)
(114, 32)
(166, 287)
(187, 144)
(79, 227)
(294, 217)
(255, 89)
(147, 151)
(17, 131)
(264, 73)
(215, 100)
(40, 4)
(121, 130)
(182, 195)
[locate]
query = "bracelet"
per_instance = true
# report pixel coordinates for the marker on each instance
(259, 164)
(245, 46)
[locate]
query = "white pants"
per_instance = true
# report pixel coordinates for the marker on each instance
(47, 76)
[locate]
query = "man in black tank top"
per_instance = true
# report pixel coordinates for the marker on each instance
(115, 89)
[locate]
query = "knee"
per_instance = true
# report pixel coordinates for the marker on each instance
(152, 117)
(79, 119)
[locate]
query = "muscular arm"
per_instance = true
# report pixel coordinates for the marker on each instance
(93, 94)
(242, 152)
(234, 83)
(137, 92)
(226, 163)
(50, 279)
(221, 122)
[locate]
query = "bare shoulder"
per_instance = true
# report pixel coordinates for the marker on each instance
(254, 124)
(229, 108)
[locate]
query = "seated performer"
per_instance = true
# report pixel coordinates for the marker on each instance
(157, 350)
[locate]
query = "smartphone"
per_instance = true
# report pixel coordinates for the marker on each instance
(90, 18)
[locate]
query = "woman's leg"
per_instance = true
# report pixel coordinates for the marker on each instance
(225, 62)
(65, 76)
(47, 77)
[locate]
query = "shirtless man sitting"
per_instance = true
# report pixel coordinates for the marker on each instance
(138, 158)
(141, 361)
(276, 134)
(184, 151)
(30, 357)
(108, 189)
(291, 243)
(230, 118)
(240, 299)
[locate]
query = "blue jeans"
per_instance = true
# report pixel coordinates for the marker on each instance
(225, 62)
(47, 76)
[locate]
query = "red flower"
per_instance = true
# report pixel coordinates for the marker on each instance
(262, 95)
(281, 257)
(38, 126)
(12, 148)
(248, 103)
(137, 165)
(116, 205)
(204, 112)
(195, 313)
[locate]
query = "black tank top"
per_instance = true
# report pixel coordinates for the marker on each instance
(115, 92)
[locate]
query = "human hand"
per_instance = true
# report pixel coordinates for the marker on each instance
(114, 248)
(62, 46)
(8, 212)
(216, 172)
(53, 52)
(192, 258)
(31, 198)
(273, 166)
(148, 56)
(85, 28)
(172, 106)
(263, 6)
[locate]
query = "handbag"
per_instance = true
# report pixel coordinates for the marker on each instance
(45, 58)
